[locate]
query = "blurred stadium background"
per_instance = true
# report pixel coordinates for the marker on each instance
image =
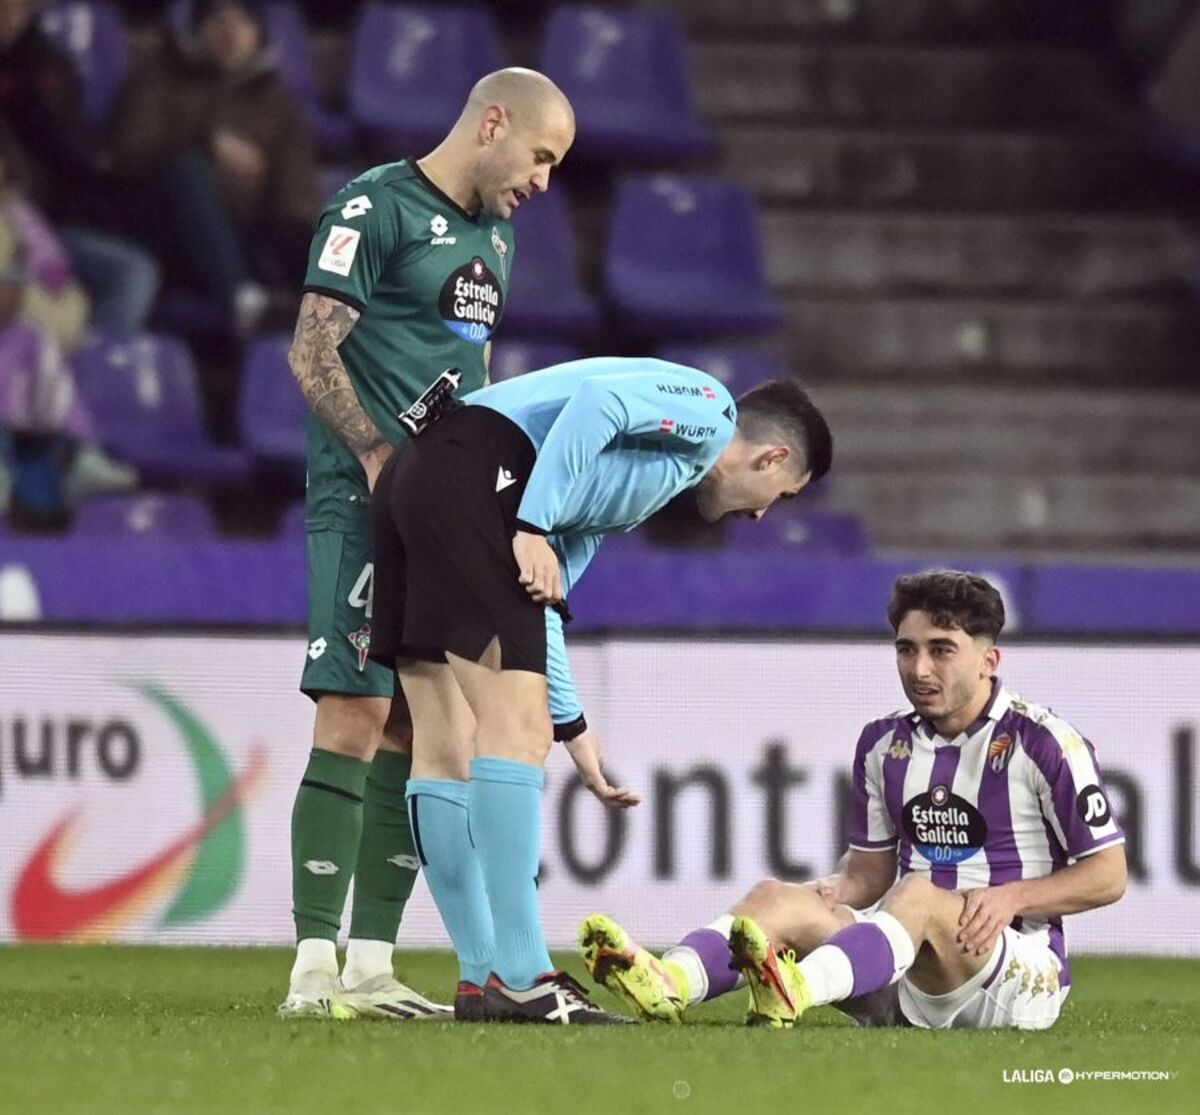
(968, 225)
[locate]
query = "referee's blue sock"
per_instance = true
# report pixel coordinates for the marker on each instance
(506, 823)
(437, 808)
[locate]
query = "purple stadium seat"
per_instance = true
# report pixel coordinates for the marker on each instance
(684, 259)
(92, 32)
(286, 29)
(412, 66)
(291, 526)
(515, 358)
(273, 408)
(546, 297)
(144, 398)
(738, 368)
(148, 513)
(806, 531)
(626, 73)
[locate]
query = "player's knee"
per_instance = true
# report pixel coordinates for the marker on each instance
(910, 892)
(765, 895)
(350, 727)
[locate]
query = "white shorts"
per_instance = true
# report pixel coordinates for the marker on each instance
(1019, 987)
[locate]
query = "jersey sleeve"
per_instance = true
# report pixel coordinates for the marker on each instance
(355, 237)
(564, 701)
(871, 826)
(693, 414)
(1070, 791)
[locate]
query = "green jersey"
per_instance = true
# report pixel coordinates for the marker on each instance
(430, 282)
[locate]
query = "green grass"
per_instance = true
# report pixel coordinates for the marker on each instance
(128, 1030)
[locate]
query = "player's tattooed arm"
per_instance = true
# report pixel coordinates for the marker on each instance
(323, 324)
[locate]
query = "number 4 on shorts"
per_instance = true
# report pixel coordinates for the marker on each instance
(361, 594)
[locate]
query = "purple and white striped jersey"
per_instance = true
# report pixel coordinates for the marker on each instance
(1016, 796)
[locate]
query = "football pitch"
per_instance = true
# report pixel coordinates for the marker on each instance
(133, 1030)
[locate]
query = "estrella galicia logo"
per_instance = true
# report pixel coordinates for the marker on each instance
(1092, 806)
(472, 302)
(943, 827)
(200, 869)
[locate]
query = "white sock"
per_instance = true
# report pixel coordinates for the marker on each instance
(722, 925)
(693, 967)
(829, 975)
(830, 971)
(365, 959)
(314, 954)
(689, 960)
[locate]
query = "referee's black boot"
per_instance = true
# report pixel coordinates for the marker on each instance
(555, 999)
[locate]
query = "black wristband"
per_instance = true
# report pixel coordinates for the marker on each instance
(564, 733)
(529, 528)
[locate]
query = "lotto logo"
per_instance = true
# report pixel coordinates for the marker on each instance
(438, 225)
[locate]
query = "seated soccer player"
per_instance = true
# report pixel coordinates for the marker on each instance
(482, 525)
(994, 813)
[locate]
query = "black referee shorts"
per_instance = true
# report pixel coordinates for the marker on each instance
(444, 512)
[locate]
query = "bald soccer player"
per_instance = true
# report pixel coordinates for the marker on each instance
(407, 277)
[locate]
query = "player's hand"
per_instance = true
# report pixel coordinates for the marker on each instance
(238, 157)
(986, 911)
(585, 752)
(538, 566)
(372, 462)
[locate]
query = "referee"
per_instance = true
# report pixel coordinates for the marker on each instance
(483, 523)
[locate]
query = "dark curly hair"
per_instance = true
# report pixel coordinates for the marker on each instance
(952, 598)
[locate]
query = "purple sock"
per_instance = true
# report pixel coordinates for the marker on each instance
(713, 949)
(870, 955)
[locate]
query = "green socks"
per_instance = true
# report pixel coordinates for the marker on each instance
(387, 863)
(327, 821)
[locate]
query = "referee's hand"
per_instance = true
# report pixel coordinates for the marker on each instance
(585, 753)
(538, 566)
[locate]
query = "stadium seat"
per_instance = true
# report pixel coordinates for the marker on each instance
(148, 513)
(92, 32)
(272, 408)
(412, 66)
(546, 298)
(143, 396)
(286, 28)
(684, 259)
(291, 525)
(802, 531)
(515, 358)
(738, 368)
(627, 75)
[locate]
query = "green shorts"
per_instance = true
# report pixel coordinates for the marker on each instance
(340, 578)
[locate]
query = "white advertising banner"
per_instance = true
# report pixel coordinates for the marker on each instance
(146, 782)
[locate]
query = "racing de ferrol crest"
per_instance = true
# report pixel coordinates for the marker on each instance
(360, 640)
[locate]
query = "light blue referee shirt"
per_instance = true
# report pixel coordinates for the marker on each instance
(616, 439)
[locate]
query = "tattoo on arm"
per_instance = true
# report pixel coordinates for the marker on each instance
(315, 362)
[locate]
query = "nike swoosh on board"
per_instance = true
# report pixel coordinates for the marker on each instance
(42, 910)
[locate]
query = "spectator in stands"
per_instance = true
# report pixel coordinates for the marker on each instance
(54, 301)
(46, 131)
(216, 139)
(47, 455)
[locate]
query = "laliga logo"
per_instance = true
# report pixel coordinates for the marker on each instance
(204, 864)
